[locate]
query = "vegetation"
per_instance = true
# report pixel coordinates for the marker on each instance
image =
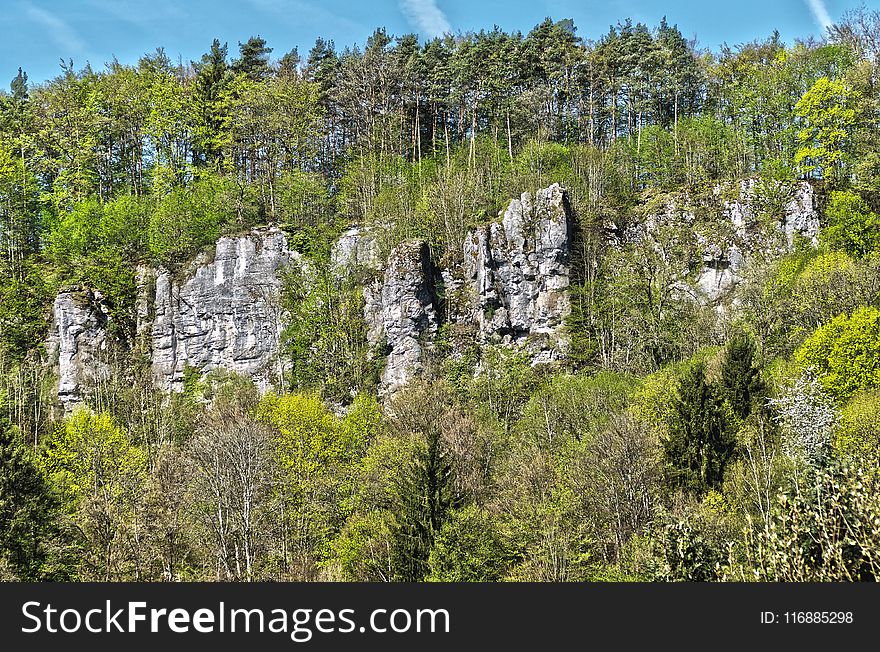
(678, 440)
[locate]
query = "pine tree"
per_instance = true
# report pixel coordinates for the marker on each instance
(426, 497)
(253, 61)
(212, 77)
(740, 379)
(27, 510)
(700, 442)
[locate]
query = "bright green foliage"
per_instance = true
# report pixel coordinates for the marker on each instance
(700, 442)
(100, 474)
(23, 300)
(828, 111)
(316, 452)
(98, 245)
(89, 455)
(852, 226)
(468, 548)
(845, 353)
(858, 432)
(362, 551)
(191, 218)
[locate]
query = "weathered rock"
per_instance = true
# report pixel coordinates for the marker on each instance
(355, 249)
(226, 314)
(401, 313)
(723, 265)
(77, 339)
(517, 271)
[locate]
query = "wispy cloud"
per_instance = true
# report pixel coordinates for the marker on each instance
(57, 29)
(426, 16)
(820, 13)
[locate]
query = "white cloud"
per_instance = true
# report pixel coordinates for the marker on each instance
(57, 30)
(820, 13)
(426, 16)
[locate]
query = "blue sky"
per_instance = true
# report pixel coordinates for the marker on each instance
(37, 33)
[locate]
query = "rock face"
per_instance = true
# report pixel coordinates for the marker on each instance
(511, 288)
(722, 265)
(400, 312)
(356, 248)
(226, 315)
(517, 273)
(78, 338)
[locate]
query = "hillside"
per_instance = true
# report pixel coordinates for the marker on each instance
(489, 307)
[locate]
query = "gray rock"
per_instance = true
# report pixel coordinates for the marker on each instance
(355, 249)
(400, 312)
(517, 271)
(77, 340)
(723, 264)
(226, 314)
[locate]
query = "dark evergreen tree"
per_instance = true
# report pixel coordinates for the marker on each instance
(212, 76)
(27, 511)
(425, 498)
(700, 441)
(253, 60)
(288, 65)
(740, 379)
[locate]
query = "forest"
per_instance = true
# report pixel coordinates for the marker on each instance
(676, 440)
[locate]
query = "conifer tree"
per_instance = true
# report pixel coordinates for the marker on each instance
(700, 442)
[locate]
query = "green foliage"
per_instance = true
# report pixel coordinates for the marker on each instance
(467, 548)
(24, 299)
(574, 407)
(362, 551)
(700, 442)
(828, 112)
(852, 226)
(99, 473)
(845, 353)
(316, 451)
(426, 496)
(188, 219)
(740, 378)
(858, 432)
(98, 245)
(827, 532)
(325, 335)
(28, 514)
(693, 547)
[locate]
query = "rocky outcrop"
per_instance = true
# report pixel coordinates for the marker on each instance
(511, 288)
(78, 340)
(723, 263)
(401, 314)
(355, 249)
(516, 271)
(225, 314)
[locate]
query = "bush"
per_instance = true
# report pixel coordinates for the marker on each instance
(852, 226)
(858, 433)
(845, 353)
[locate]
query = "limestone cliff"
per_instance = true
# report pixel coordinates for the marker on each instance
(225, 313)
(510, 288)
(516, 272)
(77, 339)
(401, 313)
